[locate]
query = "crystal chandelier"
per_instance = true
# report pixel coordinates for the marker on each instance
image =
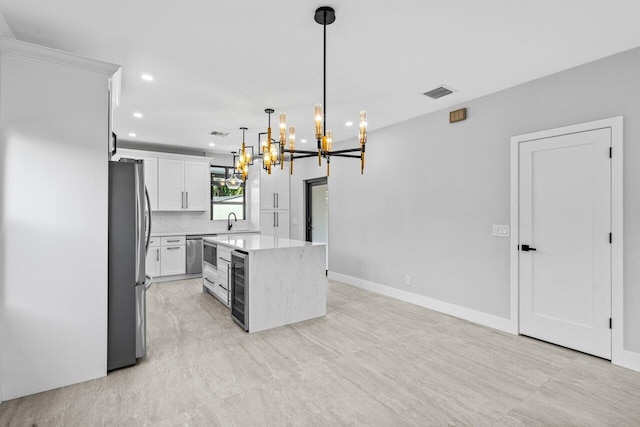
(273, 152)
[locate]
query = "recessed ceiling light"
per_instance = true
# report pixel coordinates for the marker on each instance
(137, 115)
(212, 144)
(147, 77)
(348, 124)
(132, 135)
(303, 140)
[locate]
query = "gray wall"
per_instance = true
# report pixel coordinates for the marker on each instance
(432, 190)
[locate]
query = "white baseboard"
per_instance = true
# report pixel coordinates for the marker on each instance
(630, 360)
(485, 319)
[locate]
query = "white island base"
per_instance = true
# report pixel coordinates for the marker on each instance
(287, 280)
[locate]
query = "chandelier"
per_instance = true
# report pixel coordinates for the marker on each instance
(241, 165)
(273, 152)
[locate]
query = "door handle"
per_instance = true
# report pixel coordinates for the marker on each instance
(527, 248)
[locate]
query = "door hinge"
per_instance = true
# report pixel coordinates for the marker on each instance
(611, 152)
(610, 323)
(610, 238)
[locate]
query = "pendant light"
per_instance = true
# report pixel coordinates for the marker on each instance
(234, 181)
(273, 153)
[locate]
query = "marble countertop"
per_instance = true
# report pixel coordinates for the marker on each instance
(200, 233)
(258, 242)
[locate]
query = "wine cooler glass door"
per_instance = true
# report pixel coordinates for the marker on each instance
(239, 289)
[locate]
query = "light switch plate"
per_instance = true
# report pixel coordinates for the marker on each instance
(295, 221)
(501, 230)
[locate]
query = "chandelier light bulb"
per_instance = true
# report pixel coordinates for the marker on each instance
(283, 128)
(292, 138)
(318, 119)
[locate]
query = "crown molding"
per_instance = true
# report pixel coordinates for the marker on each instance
(5, 29)
(13, 47)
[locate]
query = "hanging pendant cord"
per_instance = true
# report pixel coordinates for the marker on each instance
(324, 76)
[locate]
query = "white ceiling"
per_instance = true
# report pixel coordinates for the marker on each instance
(219, 64)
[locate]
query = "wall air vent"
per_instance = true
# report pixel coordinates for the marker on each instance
(218, 133)
(439, 92)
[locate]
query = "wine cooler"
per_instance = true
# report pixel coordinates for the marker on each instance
(240, 288)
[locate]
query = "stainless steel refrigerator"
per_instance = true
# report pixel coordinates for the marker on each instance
(129, 231)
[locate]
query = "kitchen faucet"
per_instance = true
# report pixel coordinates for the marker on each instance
(229, 224)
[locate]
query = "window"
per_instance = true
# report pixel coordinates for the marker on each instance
(223, 199)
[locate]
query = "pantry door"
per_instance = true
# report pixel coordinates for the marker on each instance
(564, 258)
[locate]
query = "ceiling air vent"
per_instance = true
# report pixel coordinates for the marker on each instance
(218, 133)
(439, 92)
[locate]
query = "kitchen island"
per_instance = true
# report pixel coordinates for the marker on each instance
(272, 281)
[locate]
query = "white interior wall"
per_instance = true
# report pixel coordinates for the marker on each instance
(432, 190)
(53, 287)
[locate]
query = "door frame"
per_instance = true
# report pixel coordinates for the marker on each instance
(615, 124)
(307, 203)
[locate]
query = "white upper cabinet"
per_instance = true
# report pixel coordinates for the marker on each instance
(171, 195)
(183, 185)
(196, 186)
(175, 182)
(274, 189)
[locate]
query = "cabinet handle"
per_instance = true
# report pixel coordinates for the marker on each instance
(174, 247)
(158, 254)
(173, 240)
(274, 220)
(226, 260)
(182, 200)
(209, 281)
(187, 193)
(274, 200)
(277, 200)
(224, 288)
(277, 219)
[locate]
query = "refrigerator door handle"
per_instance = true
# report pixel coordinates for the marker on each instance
(148, 282)
(140, 227)
(146, 193)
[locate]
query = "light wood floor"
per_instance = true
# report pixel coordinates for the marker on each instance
(371, 361)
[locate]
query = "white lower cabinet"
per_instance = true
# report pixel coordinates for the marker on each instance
(152, 267)
(224, 268)
(173, 256)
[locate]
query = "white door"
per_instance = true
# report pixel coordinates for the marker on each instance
(171, 185)
(565, 219)
(197, 186)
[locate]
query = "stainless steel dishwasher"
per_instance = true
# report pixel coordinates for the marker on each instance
(194, 254)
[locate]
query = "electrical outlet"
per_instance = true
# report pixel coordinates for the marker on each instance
(501, 230)
(407, 280)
